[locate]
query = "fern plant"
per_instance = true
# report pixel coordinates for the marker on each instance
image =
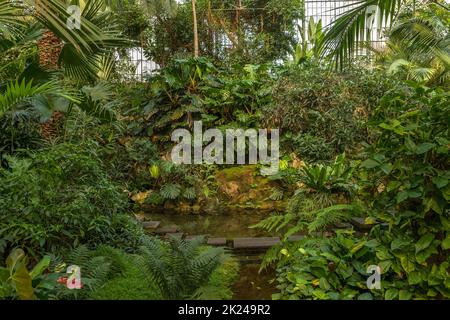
(170, 191)
(180, 268)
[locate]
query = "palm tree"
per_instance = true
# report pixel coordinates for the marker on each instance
(419, 46)
(84, 54)
(343, 38)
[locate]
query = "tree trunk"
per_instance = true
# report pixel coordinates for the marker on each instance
(194, 15)
(49, 49)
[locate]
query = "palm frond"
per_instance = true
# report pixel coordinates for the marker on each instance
(345, 35)
(10, 22)
(84, 48)
(25, 92)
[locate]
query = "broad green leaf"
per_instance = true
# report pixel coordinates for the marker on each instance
(324, 284)
(386, 168)
(424, 147)
(407, 264)
(405, 295)
(391, 294)
(22, 282)
(399, 243)
(440, 182)
(446, 242)
(4, 274)
(40, 267)
(424, 242)
(14, 258)
(431, 203)
(402, 196)
(370, 163)
(422, 256)
(365, 296)
(414, 278)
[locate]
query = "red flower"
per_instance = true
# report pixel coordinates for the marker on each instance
(62, 280)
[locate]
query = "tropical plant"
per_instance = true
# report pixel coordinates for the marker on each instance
(404, 187)
(17, 282)
(312, 40)
(326, 269)
(311, 104)
(84, 50)
(419, 46)
(61, 197)
(173, 269)
(323, 178)
(424, 43)
(181, 269)
(320, 202)
(26, 94)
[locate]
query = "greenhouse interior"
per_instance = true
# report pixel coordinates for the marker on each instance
(224, 150)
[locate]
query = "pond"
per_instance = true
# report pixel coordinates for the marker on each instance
(224, 224)
(252, 284)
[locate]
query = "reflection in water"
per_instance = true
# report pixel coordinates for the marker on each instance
(251, 285)
(224, 224)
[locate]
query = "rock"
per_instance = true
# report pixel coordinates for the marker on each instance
(255, 243)
(168, 229)
(231, 189)
(191, 237)
(151, 224)
(177, 235)
(221, 242)
(196, 208)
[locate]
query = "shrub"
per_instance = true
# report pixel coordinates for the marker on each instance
(174, 269)
(326, 269)
(404, 187)
(323, 113)
(61, 197)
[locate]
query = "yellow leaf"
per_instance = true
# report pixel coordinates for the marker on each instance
(141, 196)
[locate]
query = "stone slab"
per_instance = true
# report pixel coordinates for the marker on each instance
(151, 224)
(221, 242)
(167, 229)
(255, 243)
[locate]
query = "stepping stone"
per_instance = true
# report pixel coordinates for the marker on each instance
(191, 237)
(178, 235)
(255, 243)
(221, 242)
(151, 224)
(168, 229)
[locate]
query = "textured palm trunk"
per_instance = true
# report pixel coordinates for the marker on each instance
(49, 49)
(194, 16)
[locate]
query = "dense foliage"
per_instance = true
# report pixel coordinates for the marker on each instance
(85, 149)
(34, 189)
(403, 186)
(323, 113)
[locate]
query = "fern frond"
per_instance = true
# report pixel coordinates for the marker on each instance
(332, 215)
(170, 191)
(276, 222)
